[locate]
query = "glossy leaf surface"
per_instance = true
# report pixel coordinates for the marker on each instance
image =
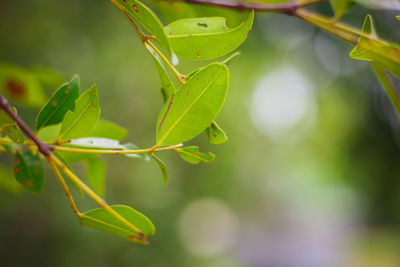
(102, 220)
(168, 88)
(194, 106)
(147, 19)
(62, 101)
(83, 118)
(206, 38)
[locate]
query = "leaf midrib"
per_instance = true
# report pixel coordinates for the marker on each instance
(188, 108)
(55, 110)
(77, 119)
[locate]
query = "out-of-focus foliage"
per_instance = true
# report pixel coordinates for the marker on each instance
(311, 166)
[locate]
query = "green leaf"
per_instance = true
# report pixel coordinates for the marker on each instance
(168, 87)
(102, 220)
(388, 86)
(192, 155)
(28, 170)
(147, 19)
(9, 128)
(95, 172)
(107, 129)
(163, 168)
(49, 133)
(62, 101)
(370, 49)
(7, 181)
(340, 7)
(21, 85)
(215, 134)
(130, 146)
(95, 143)
(103, 143)
(206, 38)
(102, 129)
(83, 118)
(194, 106)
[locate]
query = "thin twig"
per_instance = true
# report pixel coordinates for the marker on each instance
(43, 148)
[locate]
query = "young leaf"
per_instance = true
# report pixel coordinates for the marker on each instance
(130, 146)
(206, 38)
(7, 181)
(28, 170)
(215, 134)
(9, 128)
(163, 168)
(21, 85)
(83, 118)
(102, 220)
(96, 143)
(107, 129)
(62, 101)
(192, 155)
(103, 143)
(194, 106)
(386, 54)
(147, 19)
(168, 87)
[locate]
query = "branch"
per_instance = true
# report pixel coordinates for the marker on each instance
(43, 148)
(288, 7)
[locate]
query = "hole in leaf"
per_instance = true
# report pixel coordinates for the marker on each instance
(202, 25)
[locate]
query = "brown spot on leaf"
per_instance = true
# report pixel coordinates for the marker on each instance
(15, 88)
(36, 170)
(29, 183)
(214, 135)
(92, 106)
(54, 103)
(135, 8)
(16, 170)
(197, 54)
(187, 93)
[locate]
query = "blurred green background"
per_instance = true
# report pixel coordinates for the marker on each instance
(309, 177)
